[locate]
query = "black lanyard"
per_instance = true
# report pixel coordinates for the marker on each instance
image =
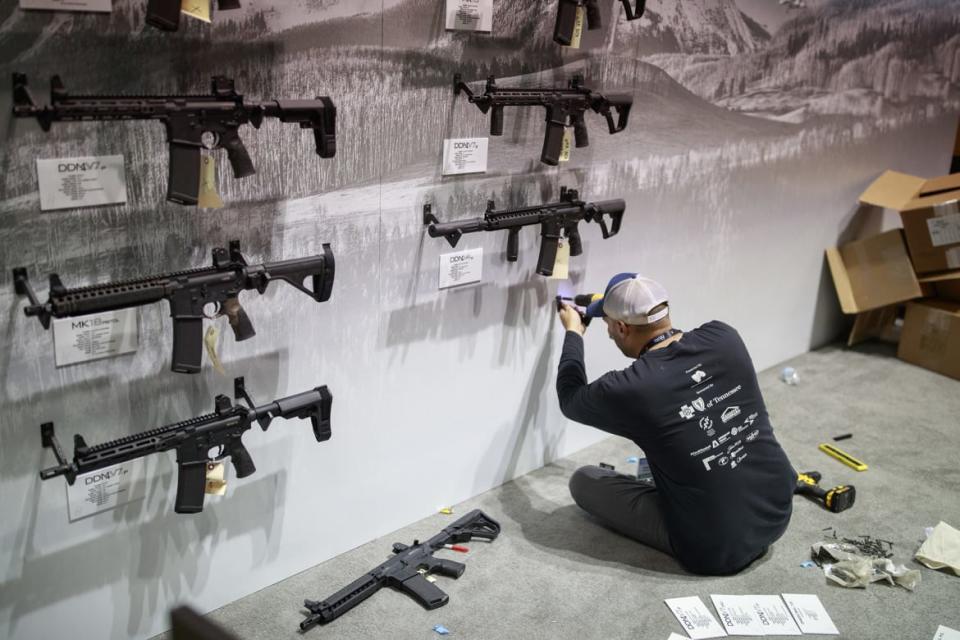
(660, 338)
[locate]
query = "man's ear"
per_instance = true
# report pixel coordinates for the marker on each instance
(622, 329)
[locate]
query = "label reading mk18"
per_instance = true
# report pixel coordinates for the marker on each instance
(99, 335)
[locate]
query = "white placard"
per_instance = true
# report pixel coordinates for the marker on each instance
(67, 5)
(464, 155)
(737, 616)
(462, 267)
(809, 613)
(105, 489)
(944, 229)
(774, 615)
(470, 15)
(89, 181)
(946, 633)
(695, 618)
(98, 335)
(677, 636)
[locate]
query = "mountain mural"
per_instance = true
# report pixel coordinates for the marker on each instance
(838, 58)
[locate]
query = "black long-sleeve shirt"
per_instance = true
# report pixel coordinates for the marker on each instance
(695, 408)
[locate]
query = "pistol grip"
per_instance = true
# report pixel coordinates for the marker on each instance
(239, 322)
(237, 154)
(242, 462)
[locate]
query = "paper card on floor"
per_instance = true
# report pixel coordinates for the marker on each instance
(695, 618)
(737, 616)
(774, 616)
(809, 613)
(946, 633)
(677, 636)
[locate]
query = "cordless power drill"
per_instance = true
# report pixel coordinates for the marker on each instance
(838, 499)
(581, 300)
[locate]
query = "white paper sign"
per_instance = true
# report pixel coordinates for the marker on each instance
(677, 636)
(462, 267)
(81, 182)
(99, 335)
(946, 633)
(944, 229)
(737, 615)
(105, 489)
(695, 618)
(773, 614)
(470, 15)
(809, 613)
(67, 5)
(464, 155)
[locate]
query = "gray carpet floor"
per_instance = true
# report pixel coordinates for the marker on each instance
(554, 573)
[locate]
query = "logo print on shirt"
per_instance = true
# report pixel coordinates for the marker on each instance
(707, 425)
(729, 414)
(686, 412)
(698, 376)
(699, 404)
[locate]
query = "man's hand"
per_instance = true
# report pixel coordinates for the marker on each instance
(570, 318)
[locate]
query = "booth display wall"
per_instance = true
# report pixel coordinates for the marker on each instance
(747, 147)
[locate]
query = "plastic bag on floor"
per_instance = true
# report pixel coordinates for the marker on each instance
(845, 565)
(941, 550)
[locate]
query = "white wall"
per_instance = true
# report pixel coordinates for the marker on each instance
(438, 395)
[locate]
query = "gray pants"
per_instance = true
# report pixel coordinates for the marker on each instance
(623, 503)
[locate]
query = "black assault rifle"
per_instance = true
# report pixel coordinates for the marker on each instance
(565, 108)
(567, 16)
(406, 571)
(188, 292)
(553, 217)
(165, 14)
(192, 122)
(193, 439)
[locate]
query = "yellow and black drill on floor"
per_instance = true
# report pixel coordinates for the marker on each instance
(838, 499)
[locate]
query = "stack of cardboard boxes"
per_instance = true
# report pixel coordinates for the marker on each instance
(904, 285)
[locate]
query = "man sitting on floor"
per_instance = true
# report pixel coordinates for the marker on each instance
(722, 486)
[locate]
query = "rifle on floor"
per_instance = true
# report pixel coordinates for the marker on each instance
(565, 108)
(406, 571)
(193, 122)
(193, 440)
(556, 219)
(567, 16)
(188, 292)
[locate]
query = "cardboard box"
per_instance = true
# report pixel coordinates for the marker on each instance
(931, 336)
(884, 324)
(945, 286)
(930, 211)
(872, 273)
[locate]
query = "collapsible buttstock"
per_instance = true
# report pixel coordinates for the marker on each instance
(191, 484)
(552, 144)
(566, 22)
(240, 160)
(612, 208)
(325, 131)
(621, 103)
(187, 344)
(164, 14)
(183, 186)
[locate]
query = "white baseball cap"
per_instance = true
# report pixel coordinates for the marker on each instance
(629, 298)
